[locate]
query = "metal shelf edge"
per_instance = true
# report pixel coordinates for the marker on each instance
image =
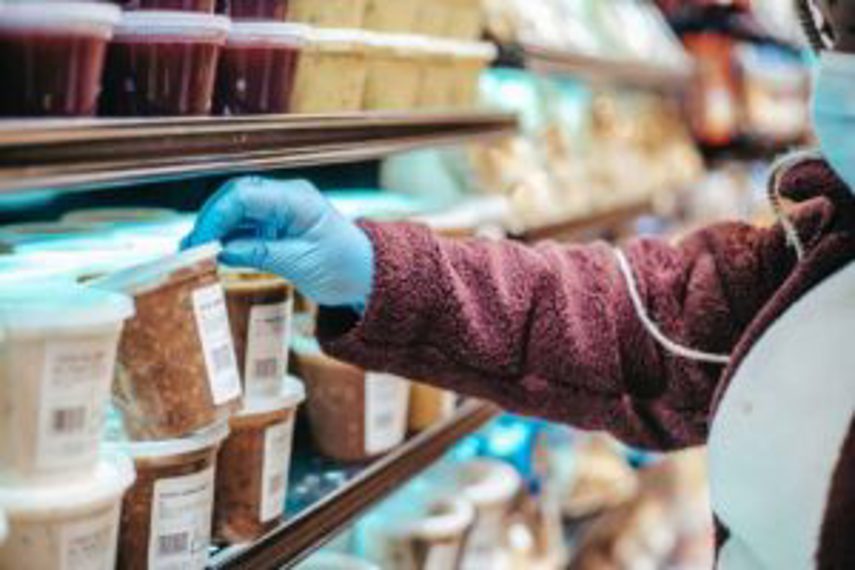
(303, 534)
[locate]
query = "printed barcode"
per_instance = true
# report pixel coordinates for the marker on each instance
(267, 368)
(385, 420)
(173, 544)
(277, 483)
(69, 420)
(223, 358)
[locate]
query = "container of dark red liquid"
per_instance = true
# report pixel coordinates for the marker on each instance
(163, 63)
(258, 66)
(206, 6)
(51, 57)
(256, 9)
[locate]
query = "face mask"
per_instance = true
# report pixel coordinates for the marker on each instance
(834, 113)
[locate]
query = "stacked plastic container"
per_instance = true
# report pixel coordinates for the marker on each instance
(207, 457)
(61, 496)
(179, 58)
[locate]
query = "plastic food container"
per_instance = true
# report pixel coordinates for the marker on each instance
(177, 370)
(260, 308)
(331, 72)
(417, 530)
(469, 60)
(163, 63)
(465, 19)
(206, 6)
(167, 513)
(390, 15)
(491, 486)
(258, 67)
(73, 525)
(275, 10)
(438, 75)
(429, 405)
(52, 58)
(254, 461)
(328, 13)
(355, 415)
(57, 354)
(394, 72)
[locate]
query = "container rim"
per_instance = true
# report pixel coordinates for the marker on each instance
(72, 16)
(194, 26)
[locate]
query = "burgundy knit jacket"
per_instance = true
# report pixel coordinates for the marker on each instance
(551, 331)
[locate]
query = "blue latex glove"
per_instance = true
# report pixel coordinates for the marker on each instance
(290, 229)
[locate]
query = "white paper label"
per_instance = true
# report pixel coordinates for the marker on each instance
(277, 463)
(181, 522)
(90, 544)
(441, 557)
(386, 403)
(75, 386)
(267, 349)
(212, 321)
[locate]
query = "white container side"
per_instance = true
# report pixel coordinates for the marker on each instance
(72, 525)
(58, 343)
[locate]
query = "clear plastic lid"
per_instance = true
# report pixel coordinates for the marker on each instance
(142, 278)
(27, 308)
(481, 51)
(173, 25)
(116, 441)
(268, 33)
(293, 394)
(112, 477)
(66, 17)
(487, 483)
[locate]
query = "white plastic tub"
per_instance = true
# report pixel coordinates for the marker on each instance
(491, 487)
(254, 461)
(422, 528)
(57, 354)
(167, 513)
(73, 525)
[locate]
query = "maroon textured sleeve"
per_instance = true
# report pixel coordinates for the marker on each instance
(551, 330)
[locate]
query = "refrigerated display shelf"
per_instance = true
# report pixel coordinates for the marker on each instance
(310, 526)
(614, 220)
(80, 154)
(605, 70)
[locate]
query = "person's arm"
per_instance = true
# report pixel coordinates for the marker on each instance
(551, 330)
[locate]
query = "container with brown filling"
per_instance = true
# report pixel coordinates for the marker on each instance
(177, 371)
(252, 478)
(260, 308)
(355, 415)
(167, 513)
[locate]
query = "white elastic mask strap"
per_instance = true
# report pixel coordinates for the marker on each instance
(652, 328)
(779, 169)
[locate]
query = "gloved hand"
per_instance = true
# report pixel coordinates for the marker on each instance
(290, 229)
